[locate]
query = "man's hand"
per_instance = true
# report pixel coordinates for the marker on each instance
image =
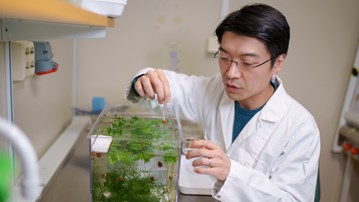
(212, 159)
(154, 82)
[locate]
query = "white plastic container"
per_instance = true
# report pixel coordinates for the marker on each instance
(111, 8)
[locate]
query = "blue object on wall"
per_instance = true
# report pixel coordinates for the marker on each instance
(98, 103)
(43, 58)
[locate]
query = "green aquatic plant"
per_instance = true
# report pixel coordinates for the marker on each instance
(139, 138)
(126, 184)
(128, 152)
(137, 127)
(170, 152)
(139, 145)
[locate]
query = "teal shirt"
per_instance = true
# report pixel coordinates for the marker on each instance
(242, 116)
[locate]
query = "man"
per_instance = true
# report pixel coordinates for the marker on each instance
(261, 145)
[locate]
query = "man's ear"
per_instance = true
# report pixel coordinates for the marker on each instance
(278, 63)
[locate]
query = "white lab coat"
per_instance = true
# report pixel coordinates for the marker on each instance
(274, 158)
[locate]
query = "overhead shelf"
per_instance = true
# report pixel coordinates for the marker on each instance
(49, 19)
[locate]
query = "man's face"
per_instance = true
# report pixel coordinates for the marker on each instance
(243, 81)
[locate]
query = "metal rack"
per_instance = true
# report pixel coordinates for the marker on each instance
(347, 136)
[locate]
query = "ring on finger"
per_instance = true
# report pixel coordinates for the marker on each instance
(209, 162)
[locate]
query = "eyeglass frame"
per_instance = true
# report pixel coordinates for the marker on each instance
(251, 66)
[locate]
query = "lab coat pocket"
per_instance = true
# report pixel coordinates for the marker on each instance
(269, 159)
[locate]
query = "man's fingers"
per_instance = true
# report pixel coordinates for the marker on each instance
(144, 87)
(204, 144)
(154, 82)
(166, 86)
(139, 88)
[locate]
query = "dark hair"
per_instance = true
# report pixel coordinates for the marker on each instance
(262, 22)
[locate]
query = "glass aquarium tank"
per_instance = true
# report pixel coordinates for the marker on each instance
(135, 156)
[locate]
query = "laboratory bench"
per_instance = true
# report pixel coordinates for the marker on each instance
(71, 183)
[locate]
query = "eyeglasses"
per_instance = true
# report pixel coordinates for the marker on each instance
(227, 62)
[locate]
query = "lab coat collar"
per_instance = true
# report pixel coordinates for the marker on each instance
(271, 112)
(276, 105)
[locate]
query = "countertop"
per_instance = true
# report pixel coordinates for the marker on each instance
(72, 181)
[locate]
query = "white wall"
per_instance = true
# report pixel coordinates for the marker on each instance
(323, 43)
(42, 104)
(143, 37)
(316, 72)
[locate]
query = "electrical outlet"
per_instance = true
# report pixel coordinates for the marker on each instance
(30, 59)
(212, 44)
(22, 59)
